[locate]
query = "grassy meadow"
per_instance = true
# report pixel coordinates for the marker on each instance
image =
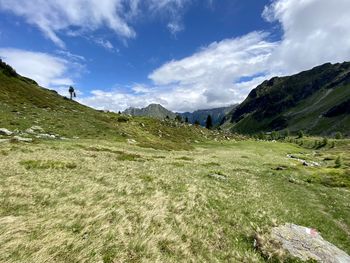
(108, 201)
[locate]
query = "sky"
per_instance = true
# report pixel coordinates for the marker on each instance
(183, 54)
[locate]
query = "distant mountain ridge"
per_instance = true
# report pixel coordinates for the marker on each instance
(217, 114)
(316, 101)
(153, 110)
(159, 112)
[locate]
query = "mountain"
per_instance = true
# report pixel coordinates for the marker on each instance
(153, 110)
(217, 114)
(315, 101)
(23, 104)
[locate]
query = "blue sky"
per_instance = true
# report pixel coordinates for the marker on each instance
(183, 54)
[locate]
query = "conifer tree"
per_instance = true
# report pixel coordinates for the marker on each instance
(209, 123)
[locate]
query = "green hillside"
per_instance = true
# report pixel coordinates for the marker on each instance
(24, 104)
(314, 101)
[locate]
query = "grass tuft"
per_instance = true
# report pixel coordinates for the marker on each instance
(47, 164)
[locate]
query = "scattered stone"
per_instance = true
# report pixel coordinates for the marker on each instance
(142, 124)
(304, 162)
(29, 131)
(131, 141)
(281, 168)
(22, 139)
(45, 136)
(34, 130)
(307, 244)
(37, 128)
(6, 132)
(218, 176)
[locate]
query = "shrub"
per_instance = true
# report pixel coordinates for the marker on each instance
(287, 133)
(47, 164)
(338, 135)
(338, 162)
(300, 134)
(325, 141)
(178, 118)
(275, 135)
(122, 119)
(261, 136)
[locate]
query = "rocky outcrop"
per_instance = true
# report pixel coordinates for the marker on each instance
(6, 132)
(307, 244)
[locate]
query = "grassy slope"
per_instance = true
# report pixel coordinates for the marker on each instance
(23, 105)
(92, 201)
(277, 99)
(307, 115)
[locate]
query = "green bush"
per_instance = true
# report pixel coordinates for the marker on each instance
(338, 162)
(325, 141)
(338, 136)
(122, 119)
(300, 134)
(275, 135)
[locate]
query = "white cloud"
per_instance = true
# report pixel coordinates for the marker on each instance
(106, 44)
(315, 32)
(48, 70)
(53, 17)
(76, 17)
(175, 27)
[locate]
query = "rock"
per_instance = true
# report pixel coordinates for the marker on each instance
(37, 128)
(281, 168)
(29, 131)
(34, 130)
(305, 163)
(131, 141)
(6, 132)
(307, 244)
(21, 139)
(218, 176)
(45, 136)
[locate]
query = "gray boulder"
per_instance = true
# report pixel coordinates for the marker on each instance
(307, 244)
(6, 132)
(34, 130)
(46, 136)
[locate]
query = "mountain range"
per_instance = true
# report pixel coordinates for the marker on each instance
(315, 101)
(153, 110)
(217, 115)
(159, 112)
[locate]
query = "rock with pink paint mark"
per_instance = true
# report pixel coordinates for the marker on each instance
(307, 244)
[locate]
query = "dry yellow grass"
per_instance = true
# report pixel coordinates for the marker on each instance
(115, 202)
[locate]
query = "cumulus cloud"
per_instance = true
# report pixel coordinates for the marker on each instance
(315, 32)
(209, 78)
(49, 71)
(76, 17)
